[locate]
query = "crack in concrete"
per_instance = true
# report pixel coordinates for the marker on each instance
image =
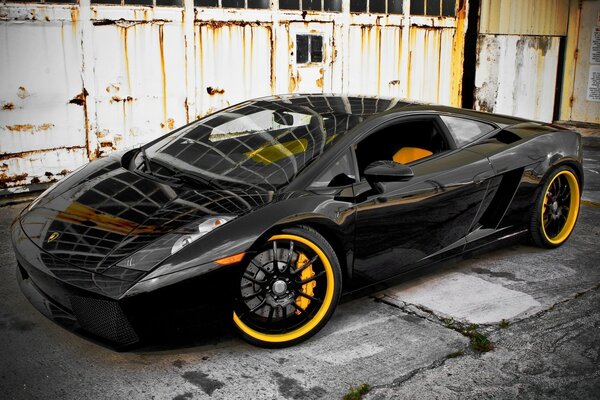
(430, 315)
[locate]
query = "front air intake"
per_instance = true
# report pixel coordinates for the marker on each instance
(103, 318)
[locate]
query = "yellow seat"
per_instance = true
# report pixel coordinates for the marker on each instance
(409, 154)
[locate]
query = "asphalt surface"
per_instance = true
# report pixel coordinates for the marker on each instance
(538, 310)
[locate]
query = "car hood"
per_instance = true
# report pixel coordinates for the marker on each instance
(110, 212)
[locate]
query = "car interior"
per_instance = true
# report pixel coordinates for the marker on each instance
(405, 143)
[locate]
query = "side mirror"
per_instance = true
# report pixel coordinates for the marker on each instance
(387, 171)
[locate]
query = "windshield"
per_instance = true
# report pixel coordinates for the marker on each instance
(262, 144)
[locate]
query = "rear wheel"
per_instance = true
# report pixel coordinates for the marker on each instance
(556, 209)
(288, 290)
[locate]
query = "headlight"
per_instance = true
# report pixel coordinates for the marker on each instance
(171, 243)
(203, 228)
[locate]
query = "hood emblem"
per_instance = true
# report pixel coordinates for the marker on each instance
(53, 236)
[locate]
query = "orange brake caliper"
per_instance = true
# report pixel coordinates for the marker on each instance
(307, 288)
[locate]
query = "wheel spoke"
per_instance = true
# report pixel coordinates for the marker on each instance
(252, 279)
(260, 267)
(271, 310)
(262, 303)
(308, 264)
(312, 278)
(297, 307)
(311, 298)
(274, 255)
(253, 295)
(290, 254)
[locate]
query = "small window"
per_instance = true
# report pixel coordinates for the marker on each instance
(341, 173)
(206, 3)
(466, 130)
(309, 49)
(289, 4)
(376, 6)
(434, 8)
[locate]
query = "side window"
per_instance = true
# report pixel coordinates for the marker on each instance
(466, 130)
(341, 173)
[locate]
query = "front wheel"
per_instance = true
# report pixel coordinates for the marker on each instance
(289, 290)
(556, 209)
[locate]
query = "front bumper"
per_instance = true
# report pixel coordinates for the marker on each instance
(100, 307)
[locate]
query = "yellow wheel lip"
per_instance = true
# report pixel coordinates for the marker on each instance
(303, 330)
(573, 208)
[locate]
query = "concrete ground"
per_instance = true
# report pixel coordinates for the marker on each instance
(538, 309)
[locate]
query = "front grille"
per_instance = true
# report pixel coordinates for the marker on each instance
(103, 318)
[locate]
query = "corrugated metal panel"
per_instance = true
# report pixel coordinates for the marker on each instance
(233, 63)
(139, 79)
(37, 115)
(524, 17)
(517, 75)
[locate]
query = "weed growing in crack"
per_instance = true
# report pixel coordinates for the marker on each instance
(504, 324)
(480, 342)
(448, 323)
(356, 393)
(456, 354)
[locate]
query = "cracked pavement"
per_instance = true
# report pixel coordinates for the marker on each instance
(540, 309)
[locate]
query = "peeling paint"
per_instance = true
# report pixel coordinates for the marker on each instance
(6, 180)
(8, 106)
(22, 93)
(29, 127)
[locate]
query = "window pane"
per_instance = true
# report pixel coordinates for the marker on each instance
(433, 7)
(54, 1)
(233, 3)
(139, 2)
(465, 130)
(171, 3)
(333, 5)
(106, 1)
(259, 4)
(449, 8)
(342, 166)
(289, 4)
(301, 49)
(316, 48)
(377, 6)
(358, 6)
(394, 6)
(206, 3)
(417, 7)
(311, 5)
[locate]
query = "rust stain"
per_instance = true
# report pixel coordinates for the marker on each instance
(5, 179)
(74, 19)
(186, 106)
(273, 42)
(394, 82)
(29, 127)
(126, 53)
(214, 90)
(162, 65)
(458, 53)
(8, 106)
(35, 180)
(80, 99)
(113, 87)
(24, 154)
(124, 23)
(170, 123)
(107, 143)
(4, 167)
(48, 174)
(117, 99)
(319, 81)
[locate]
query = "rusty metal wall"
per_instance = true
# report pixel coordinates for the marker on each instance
(517, 56)
(80, 81)
(524, 17)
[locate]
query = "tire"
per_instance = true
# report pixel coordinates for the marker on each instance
(556, 209)
(286, 299)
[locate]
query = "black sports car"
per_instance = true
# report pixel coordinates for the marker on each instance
(272, 208)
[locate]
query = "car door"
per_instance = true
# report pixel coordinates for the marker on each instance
(412, 222)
